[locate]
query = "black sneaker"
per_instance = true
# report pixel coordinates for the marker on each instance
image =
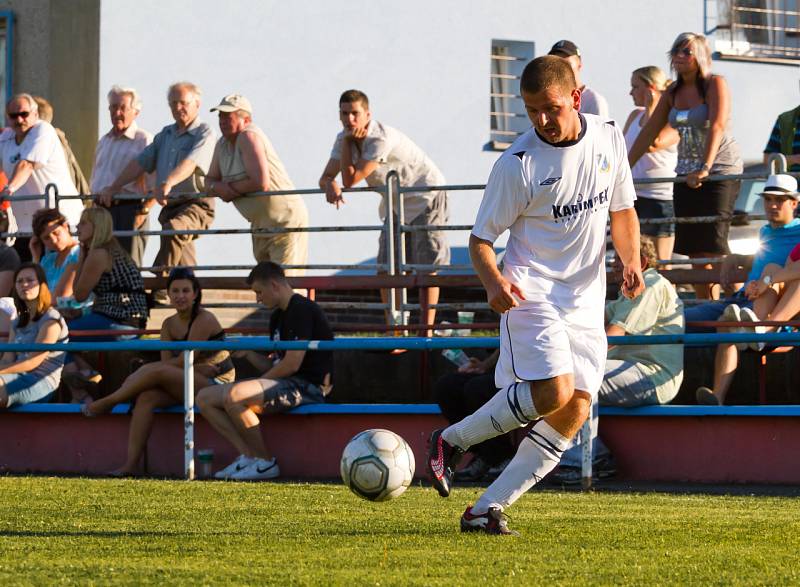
(442, 461)
(492, 522)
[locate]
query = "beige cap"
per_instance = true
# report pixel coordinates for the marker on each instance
(234, 103)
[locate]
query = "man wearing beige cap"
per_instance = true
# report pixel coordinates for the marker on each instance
(245, 162)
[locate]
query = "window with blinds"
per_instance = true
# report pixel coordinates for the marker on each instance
(507, 117)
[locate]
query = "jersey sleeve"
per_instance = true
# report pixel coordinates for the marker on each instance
(623, 194)
(506, 197)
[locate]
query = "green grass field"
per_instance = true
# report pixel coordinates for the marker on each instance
(136, 531)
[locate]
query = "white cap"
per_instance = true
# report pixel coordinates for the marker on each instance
(781, 185)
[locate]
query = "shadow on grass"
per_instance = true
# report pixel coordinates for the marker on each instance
(87, 534)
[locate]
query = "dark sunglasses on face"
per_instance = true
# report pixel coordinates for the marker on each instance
(685, 51)
(13, 115)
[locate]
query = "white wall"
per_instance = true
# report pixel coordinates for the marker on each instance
(424, 65)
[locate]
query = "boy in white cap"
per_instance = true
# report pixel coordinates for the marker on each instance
(759, 297)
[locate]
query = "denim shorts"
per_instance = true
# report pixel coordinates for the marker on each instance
(652, 208)
(24, 388)
(711, 311)
(288, 393)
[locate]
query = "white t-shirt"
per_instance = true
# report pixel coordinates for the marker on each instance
(391, 149)
(42, 147)
(593, 103)
(555, 200)
(659, 163)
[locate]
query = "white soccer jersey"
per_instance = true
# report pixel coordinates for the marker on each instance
(555, 201)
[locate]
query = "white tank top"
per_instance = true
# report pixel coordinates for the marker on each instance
(659, 164)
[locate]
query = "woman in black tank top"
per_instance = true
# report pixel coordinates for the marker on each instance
(160, 384)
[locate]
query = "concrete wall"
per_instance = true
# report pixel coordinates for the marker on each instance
(56, 51)
(424, 65)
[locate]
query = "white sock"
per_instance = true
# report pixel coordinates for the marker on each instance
(509, 409)
(537, 455)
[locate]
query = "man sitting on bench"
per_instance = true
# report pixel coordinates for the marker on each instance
(293, 378)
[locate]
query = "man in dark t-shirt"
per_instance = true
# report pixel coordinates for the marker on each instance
(288, 379)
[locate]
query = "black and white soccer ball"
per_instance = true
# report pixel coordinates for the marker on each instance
(377, 465)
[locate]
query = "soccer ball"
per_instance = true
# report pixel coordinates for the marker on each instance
(377, 465)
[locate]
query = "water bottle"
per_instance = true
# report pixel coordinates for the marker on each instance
(205, 463)
(456, 356)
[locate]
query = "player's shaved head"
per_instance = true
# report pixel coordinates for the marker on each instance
(547, 72)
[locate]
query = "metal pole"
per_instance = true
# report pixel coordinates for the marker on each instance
(48, 203)
(586, 453)
(776, 163)
(401, 240)
(188, 418)
(389, 238)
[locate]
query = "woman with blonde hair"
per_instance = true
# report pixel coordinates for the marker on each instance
(32, 376)
(698, 106)
(654, 200)
(107, 271)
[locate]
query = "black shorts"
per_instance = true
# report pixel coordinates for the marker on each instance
(713, 198)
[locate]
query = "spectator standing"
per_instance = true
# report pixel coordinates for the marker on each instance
(698, 106)
(115, 151)
(180, 156)
(28, 377)
(297, 377)
(775, 243)
(75, 172)
(160, 384)
(653, 200)
(367, 150)
(591, 101)
(55, 249)
(244, 162)
(785, 138)
(32, 158)
(635, 375)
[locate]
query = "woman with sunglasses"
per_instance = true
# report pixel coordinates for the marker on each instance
(698, 106)
(32, 376)
(160, 384)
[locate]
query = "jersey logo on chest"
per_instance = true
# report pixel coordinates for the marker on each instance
(568, 212)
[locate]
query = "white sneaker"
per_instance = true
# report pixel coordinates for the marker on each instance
(240, 463)
(258, 469)
(733, 313)
(748, 315)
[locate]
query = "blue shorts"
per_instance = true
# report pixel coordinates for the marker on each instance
(95, 321)
(24, 388)
(711, 311)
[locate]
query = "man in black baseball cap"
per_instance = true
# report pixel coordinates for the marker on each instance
(591, 101)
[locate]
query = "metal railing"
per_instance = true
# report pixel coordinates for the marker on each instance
(394, 229)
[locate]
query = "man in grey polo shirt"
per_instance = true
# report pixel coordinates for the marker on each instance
(180, 155)
(591, 101)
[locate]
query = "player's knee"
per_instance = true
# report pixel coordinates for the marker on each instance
(552, 395)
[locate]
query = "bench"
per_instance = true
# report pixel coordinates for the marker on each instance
(672, 443)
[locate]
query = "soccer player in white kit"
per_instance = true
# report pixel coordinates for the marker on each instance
(554, 189)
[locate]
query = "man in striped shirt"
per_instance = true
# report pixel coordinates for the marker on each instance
(785, 138)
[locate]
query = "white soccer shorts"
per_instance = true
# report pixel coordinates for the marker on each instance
(536, 342)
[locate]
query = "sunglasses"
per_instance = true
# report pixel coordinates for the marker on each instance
(13, 115)
(685, 51)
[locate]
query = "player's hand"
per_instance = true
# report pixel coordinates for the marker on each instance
(632, 281)
(333, 194)
(503, 296)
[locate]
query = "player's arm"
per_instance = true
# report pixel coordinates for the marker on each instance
(499, 291)
(625, 236)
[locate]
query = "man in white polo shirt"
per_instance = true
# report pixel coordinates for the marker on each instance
(118, 147)
(32, 157)
(554, 190)
(368, 150)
